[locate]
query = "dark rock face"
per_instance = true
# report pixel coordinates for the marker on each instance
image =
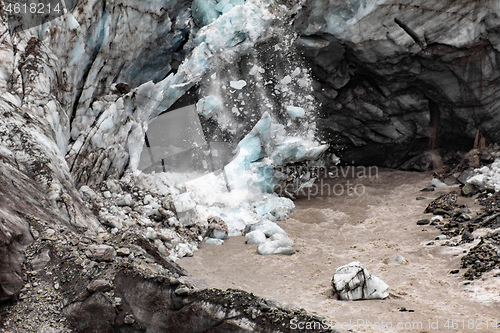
(388, 98)
(483, 257)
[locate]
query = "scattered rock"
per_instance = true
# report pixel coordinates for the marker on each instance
(129, 319)
(181, 291)
(38, 263)
(445, 202)
(420, 198)
(438, 218)
(484, 257)
(99, 285)
(469, 190)
(111, 221)
(121, 88)
(467, 236)
(101, 253)
(87, 194)
(403, 309)
(428, 189)
(396, 259)
(123, 251)
(423, 222)
(454, 271)
(442, 212)
(354, 282)
(126, 200)
(217, 228)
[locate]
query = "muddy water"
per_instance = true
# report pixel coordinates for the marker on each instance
(332, 229)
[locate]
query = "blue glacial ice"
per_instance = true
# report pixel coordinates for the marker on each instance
(267, 146)
(267, 227)
(274, 208)
(295, 111)
(242, 194)
(204, 11)
(207, 105)
(228, 35)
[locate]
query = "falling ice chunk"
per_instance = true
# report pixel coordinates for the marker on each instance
(238, 85)
(296, 71)
(286, 80)
(207, 105)
(303, 83)
(295, 111)
(256, 70)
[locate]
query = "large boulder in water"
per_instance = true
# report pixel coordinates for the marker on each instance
(354, 282)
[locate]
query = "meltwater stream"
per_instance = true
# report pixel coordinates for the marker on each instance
(377, 228)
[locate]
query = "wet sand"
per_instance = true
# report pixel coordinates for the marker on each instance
(332, 230)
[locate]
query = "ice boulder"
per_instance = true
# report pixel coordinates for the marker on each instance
(438, 184)
(261, 151)
(214, 241)
(269, 228)
(255, 237)
(275, 208)
(184, 202)
(354, 282)
(278, 243)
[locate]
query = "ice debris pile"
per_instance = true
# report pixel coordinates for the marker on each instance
(259, 108)
(235, 212)
(487, 176)
(354, 282)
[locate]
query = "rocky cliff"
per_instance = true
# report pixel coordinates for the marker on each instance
(399, 78)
